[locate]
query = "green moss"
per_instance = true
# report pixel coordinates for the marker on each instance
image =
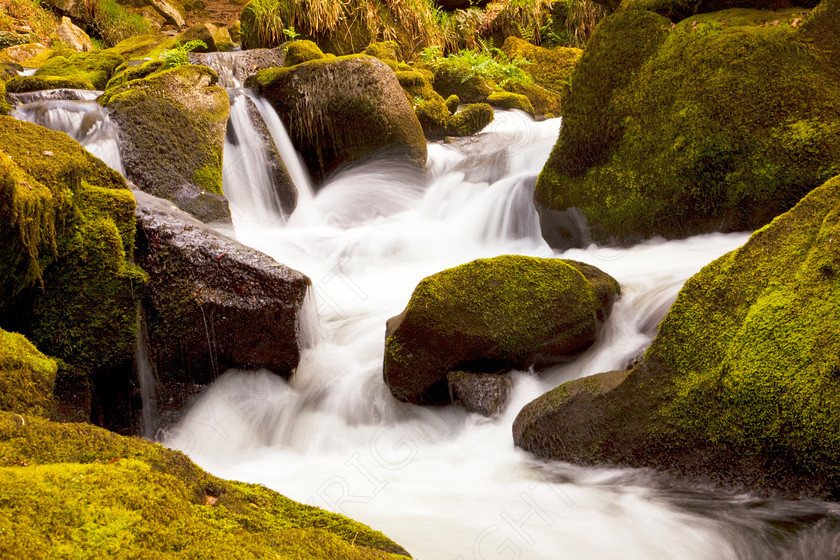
(209, 177)
(22, 84)
(73, 489)
(677, 10)
(71, 226)
(141, 45)
(386, 51)
(452, 103)
(646, 152)
(545, 102)
(27, 377)
(456, 78)
(96, 66)
(4, 105)
(302, 51)
(506, 100)
(216, 39)
(494, 313)
(470, 120)
(549, 68)
(126, 73)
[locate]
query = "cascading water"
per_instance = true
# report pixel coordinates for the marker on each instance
(444, 483)
(76, 113)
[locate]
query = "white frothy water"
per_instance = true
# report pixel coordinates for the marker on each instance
(441, 482)
(81, 118)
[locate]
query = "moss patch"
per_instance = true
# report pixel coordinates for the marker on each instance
(27, 377)
(22, 84)
(67, 241)
(125, 73)
(470, 120)
(644, 151)
(507, 100)
(97, 66)
(550, 68)
(72, 489)
(302, 51)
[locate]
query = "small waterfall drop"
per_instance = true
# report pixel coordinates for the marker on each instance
(75, 113)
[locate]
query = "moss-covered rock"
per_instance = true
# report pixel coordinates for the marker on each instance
(470, 120)
(452, 103)
(67, 240)
(97, 66)
(454, 77)
(490, 315)
(644, 151)
(550, 68)
(4, 104)
(22, 84)
(546, 103)
(131, 70)
(343, 109)
(171, 136)
(73, 489)
(677, 10)
(386, 51)
(141, 45)
(27, 377)
(507, 100)
(302, 51)
(740, 385)
(217, 39)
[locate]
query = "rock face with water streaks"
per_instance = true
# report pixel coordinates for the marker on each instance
(493, 315)
(212, 303)
(674, 132)
(171, 136)
(344, 109)
(741, 384)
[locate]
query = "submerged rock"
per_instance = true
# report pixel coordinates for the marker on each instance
(482, 393)
(493, 315)
(741, 384)
(77, 490)
(343, 109)
(644, 151)
(171, 136)
(212, 303)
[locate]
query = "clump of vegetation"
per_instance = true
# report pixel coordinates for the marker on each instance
(17, 13)
(177, 56)
(488, 64)
(111, 23)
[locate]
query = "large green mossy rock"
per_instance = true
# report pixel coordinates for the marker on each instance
(23, 84)
(97, 66)
(455, 77)
(27, 377)
(171, 136)
(676, 10)
(493, 315)
(73, 490)
(66, 243)
(742, 383)
(549, 68)
(717, 124)
(340, 110)
(298, 52)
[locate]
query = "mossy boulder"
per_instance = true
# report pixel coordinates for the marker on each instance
(454, 77)
(77, 490)
(452, 103)
(141, 45)
(386, 51)
(27, 377)
(66, 245)
(549, 68)
(4, 104)
(492, 315)
(645, 151)
(545, 102)
(217, 39)
(470, 120)
(21, 53)
(211, 303)
(96, 66)
(507, 100)
(344, 109)
(134, 70)
(23, 84)
(677, 10)
(298, 52)
(740, 385)
(171, 135)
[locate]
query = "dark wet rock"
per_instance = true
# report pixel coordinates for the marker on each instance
(483, 393)
(211, 303)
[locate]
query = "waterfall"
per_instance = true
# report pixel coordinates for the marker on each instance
(440, 481)
(75, 113)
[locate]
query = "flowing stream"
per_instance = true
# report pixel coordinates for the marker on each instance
(443, 483)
